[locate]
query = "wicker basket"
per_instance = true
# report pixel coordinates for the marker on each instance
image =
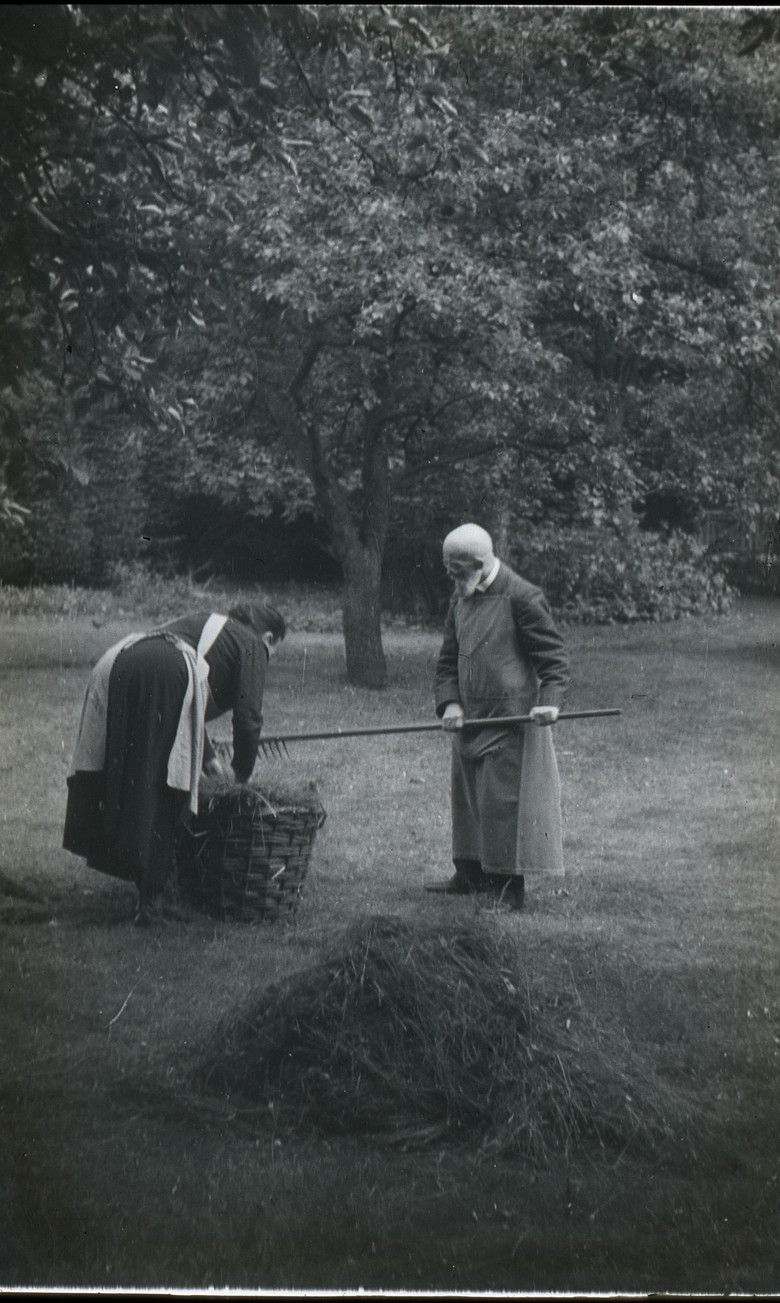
(245, 857)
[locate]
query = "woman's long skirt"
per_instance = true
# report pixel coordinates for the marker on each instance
(123, 820)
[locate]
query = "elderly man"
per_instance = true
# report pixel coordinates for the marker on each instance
(501, 655)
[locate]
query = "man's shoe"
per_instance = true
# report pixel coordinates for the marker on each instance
(454, 886)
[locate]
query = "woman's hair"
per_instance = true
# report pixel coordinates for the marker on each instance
(260, 616)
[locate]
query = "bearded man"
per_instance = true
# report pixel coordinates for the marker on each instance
(501, 655)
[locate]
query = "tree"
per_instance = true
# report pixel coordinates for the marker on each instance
(381, 244)
(604, 313)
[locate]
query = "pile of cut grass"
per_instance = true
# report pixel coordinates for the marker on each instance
(255, 794)
(245, 798)
(429, 1033)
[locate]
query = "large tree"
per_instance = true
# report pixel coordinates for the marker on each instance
(380, 243)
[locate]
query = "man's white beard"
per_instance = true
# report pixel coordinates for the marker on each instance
(465, 587)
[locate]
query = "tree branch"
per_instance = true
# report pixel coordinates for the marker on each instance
(145, 145)
(323, 106)
(410, 473)
(311, 353)
(719, 278)
(396, 75)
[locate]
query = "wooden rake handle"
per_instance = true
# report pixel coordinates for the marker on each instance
(275, 743)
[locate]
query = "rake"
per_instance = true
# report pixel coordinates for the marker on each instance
(277, 745)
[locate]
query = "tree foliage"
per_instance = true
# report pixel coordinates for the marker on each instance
(390, 265)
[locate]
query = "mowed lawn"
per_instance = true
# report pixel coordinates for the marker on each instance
(665, 928)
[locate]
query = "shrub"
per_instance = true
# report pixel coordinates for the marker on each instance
(604, 576)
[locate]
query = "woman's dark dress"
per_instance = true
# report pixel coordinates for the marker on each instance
(123, 820)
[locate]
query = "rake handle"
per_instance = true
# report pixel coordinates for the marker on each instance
(425, 728)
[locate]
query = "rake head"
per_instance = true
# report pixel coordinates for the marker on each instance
(274, 747)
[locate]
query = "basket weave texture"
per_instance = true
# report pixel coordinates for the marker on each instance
(245, 855)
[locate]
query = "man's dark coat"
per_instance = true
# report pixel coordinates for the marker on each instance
(501, 655)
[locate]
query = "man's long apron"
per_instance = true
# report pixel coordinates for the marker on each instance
(506, 792)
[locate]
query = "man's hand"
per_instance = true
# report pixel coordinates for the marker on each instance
(452, 719)
(544, 714)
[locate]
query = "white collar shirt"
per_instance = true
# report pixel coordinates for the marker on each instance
(488, 580)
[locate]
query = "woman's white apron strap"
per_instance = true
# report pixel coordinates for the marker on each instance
(210, 632)
(186, 758)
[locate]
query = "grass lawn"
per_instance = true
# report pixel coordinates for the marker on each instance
(665, 930)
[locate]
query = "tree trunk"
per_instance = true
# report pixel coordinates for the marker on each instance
(359, 544)
(362, 609)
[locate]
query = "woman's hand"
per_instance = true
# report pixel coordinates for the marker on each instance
(216, 768)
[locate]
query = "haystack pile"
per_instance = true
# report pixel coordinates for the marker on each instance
(427, 1033)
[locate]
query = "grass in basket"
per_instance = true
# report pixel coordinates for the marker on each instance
(246, 796)
(429, 1033)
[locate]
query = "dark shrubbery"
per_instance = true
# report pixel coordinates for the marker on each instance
(601, 576)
